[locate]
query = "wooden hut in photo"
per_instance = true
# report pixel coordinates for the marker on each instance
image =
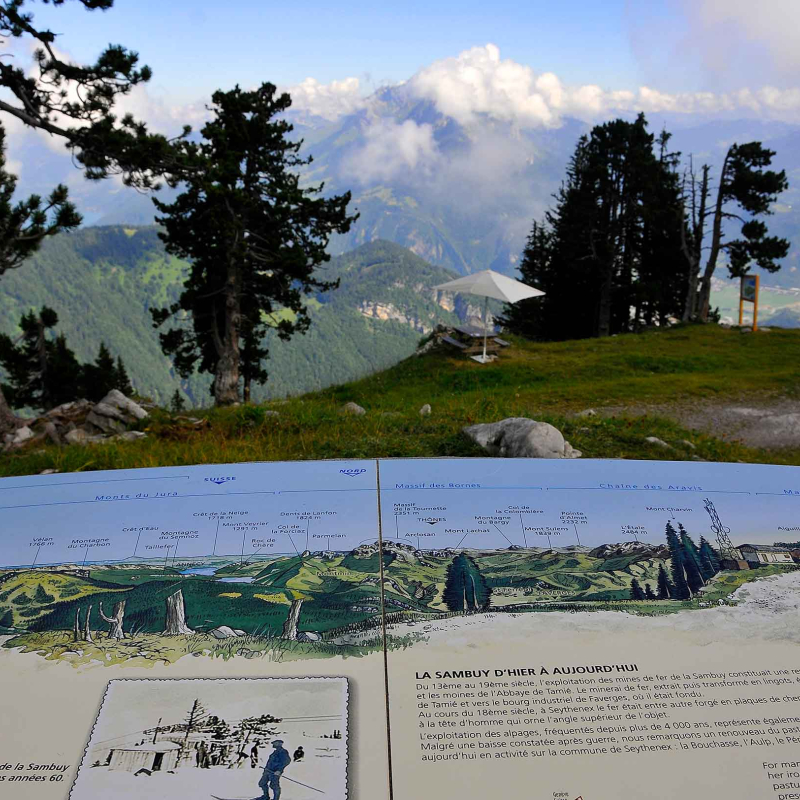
(156, 757)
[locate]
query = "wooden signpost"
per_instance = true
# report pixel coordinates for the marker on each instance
(748, 293)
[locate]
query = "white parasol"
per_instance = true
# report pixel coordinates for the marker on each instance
(486, 284)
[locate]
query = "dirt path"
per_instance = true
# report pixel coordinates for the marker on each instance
(756, 423)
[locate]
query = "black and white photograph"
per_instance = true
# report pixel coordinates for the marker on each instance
(226, 739)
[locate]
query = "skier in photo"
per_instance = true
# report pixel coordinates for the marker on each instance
(298, 754)
(254, 754)
(278, 760)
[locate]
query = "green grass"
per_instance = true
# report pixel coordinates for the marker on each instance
(546, 382)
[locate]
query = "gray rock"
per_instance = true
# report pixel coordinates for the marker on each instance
(520, 437)
(116, 399)
(76, 436)
(224, 632)
(22, 435)
(308, 636)
(687, 443)
(106, 418)
(82, 436)
(659, 442)
(587, 412)
(239, 632)
(52, 433)
(48, 472)
(354, 409)
(570, 451)
(425, 411)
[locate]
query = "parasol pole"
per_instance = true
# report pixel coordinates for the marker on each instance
(485, 325)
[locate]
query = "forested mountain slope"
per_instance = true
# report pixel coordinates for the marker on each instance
(102, 281)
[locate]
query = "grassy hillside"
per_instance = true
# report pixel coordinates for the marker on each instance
(549, 382)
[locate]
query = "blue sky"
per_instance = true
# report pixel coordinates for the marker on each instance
(194, 46)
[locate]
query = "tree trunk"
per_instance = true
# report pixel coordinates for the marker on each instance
(704, 298)
(9, 421)
(226, 377)
(76, 627)
(115, 631)
(694, 254)
(87, 631)
(176, 616)
(604, 304)
(290, 626)
(716, 246)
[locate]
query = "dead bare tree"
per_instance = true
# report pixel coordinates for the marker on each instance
(115, 631)
(87, 631)
(290, 626)
(747, 186)
(695, 201)
(175, 624)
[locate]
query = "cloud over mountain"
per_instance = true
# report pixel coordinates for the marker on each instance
(327, 100)
(392, 149)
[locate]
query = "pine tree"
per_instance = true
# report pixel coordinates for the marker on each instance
(121, 379)
(744, 184)
(648, 592)
(99, 377)
(691, 562)
(41, 596)
(690, 549)
(665, 587)
(7, 619)
(710, 557)
(253, 236)
(611, 245)
(465, 588)
(42, 372)
(636, 591)
(194, 719)
(681, 589)
(177, 404)
(525, 317)
(76, 102)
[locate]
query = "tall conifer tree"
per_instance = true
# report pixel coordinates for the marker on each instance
(253, 235)
(465, 588)
(665, 587)
(681, 589)
(636, 590)
(709, 555)
(690, 549)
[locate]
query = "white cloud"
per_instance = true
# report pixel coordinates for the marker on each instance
(478, 82)
(392, 150)
(327, 100)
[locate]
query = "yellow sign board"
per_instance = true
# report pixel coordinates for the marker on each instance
(748, 293)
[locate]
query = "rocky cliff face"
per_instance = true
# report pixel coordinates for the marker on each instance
(642, 549)
(468, 313)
